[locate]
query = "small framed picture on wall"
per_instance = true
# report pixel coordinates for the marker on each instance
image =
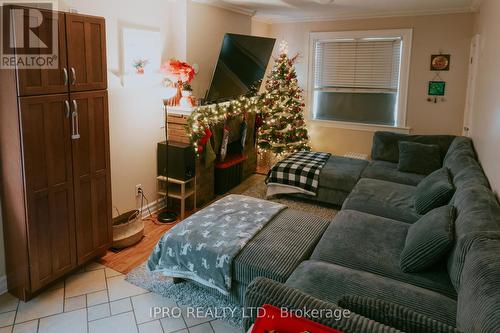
(436, 88)
(440, 62)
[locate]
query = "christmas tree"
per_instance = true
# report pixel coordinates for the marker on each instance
(283, 129)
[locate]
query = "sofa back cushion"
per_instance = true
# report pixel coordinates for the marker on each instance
(428, 240)
(434, 191)
(472, 175)
(461, 145)
(418, 158)
(478, 308)
(386, 144)
(465, 170)
(478, 212)
(461, 159)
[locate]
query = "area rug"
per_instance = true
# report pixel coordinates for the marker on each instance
(258, 189)
(191, 294)
(186, 294)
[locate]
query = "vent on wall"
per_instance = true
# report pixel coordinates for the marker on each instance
(358, 156)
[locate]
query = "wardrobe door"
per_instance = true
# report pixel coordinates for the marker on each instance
(35, 81)
(91, 173)
(86, 37)
(49, 187)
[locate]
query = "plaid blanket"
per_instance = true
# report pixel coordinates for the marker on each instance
(300, 170)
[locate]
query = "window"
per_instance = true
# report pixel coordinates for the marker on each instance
(360, 77)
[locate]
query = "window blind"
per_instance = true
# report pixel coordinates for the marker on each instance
(367, 63)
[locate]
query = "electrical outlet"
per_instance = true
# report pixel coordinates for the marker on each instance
(138, 190)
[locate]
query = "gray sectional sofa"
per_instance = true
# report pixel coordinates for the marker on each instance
(358, 256)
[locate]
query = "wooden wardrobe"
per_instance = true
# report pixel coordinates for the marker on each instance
(55, 167)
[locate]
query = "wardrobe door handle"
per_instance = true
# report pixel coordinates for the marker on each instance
(67, 108)
(73, 76)
(77, 127)
(75, 106)
(73, 126)
(74, 121)
(65, 75)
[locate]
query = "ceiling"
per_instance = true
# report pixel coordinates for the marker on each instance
(297, 10)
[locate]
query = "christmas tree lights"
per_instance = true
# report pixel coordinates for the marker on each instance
(210, 115)
(280, 111)
(282, 107)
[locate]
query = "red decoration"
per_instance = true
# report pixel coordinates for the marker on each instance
(259, 121)
(273, 319)
(203, 141)
(178, 71)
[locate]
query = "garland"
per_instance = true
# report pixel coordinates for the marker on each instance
(280, 122)
(203, 117)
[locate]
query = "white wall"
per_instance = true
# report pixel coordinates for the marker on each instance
(135, 111)
(260, 28)
(206, 26)
(431, 34)
(194, 32)
(485, 126)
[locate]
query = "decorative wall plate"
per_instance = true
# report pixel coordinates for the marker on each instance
(440, 62)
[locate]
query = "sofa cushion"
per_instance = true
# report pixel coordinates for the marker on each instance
(478, 212)
(394, 315)
(374, 244)
(461, 145)
(330, 282)
(266, 291)
(383, 198)
(383, 170)
(478, 307)
(434, 191)
(298, 233)
(458, 162)
(428, 239)
(341, 173)
(471, 175)
(418, 158)
(324, 195)
(385, 144)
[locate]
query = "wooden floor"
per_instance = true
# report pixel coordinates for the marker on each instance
(127, 259)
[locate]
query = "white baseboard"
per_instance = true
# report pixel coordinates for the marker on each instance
(153, 207)
(3, 284)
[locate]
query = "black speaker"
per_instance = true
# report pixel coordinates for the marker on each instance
(181, 160)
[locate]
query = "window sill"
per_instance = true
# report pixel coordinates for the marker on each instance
(360, 126)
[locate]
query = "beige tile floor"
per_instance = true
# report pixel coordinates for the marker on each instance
(98, 300)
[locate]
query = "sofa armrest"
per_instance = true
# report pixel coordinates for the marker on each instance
(265, 291)
(394, 315)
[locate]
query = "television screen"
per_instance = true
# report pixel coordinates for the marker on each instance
(241, 67)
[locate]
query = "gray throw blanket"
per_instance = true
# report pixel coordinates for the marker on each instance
(202, 247)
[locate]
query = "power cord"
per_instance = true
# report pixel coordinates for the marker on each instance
(150, 215)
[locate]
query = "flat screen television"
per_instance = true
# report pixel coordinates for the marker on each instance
(240, 68)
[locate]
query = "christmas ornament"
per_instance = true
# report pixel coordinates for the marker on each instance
(204, 139)
(243, 131)
(210, 155)
(283, 128)
(225, 142)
